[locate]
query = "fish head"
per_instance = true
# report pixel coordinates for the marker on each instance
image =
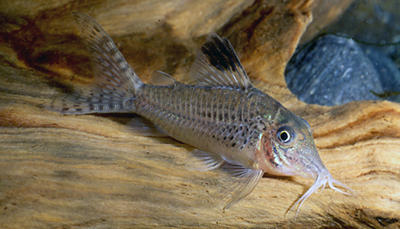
(287, 147)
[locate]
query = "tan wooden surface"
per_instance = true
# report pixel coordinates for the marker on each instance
(92, 171)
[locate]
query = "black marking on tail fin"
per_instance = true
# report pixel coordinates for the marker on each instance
(218, 65)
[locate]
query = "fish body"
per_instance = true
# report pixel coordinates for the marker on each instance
(220, 120)
(220, 113)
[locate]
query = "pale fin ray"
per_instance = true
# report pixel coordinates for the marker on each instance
(160, 78)
(204, 161)
(218, 65)
(247, 179)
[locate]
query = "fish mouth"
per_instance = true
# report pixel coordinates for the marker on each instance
(308, 164)
(320, 182)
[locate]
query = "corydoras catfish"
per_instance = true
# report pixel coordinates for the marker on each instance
(221, 114)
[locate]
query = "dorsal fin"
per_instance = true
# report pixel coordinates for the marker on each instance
(218, 65)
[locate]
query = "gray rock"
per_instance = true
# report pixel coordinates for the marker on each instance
(388, 72)
(334, 70)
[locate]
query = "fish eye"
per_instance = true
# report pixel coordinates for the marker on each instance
(285, 134)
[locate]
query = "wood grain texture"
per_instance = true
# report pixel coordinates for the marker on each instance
(92, 171)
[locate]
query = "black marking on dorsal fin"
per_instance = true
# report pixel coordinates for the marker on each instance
(220, 54)
(218, 65)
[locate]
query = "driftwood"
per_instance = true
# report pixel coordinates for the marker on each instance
(92, 171)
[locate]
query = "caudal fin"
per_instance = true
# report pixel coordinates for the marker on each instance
(115, 84)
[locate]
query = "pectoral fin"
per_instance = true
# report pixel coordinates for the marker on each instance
(246, 180)
(204, 161)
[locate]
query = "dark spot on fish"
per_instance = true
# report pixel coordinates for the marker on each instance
(233, 117)
(209, 114)
(224, 137)
(245, 141)
(95, 27)
(119, 59)
(78, 109)
(234, 144)
(220, 117)
(271, 160)
(231, 137)
(125, 67)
